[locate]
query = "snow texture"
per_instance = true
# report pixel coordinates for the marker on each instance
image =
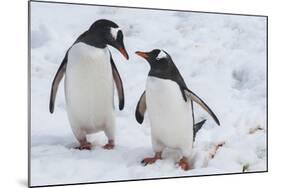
(222, 59)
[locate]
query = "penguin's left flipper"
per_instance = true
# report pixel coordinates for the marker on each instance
(199, 101)
(58, 77)
(141, 108)
(118, 83)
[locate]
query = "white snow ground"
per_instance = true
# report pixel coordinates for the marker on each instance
(221, 57)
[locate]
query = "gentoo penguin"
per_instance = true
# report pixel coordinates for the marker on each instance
(168, 102)
(89, 90)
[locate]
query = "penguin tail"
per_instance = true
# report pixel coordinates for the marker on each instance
(197, 127)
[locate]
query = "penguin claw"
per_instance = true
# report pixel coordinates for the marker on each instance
(143, 163)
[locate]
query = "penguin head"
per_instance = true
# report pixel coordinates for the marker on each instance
(159, 60)
(105, 32)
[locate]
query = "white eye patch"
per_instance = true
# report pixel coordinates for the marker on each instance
(161, 55)
(114, 32)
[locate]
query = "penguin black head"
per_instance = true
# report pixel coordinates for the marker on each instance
(160, 62)
(105, 32)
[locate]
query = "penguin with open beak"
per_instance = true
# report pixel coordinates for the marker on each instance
(90, 73)
(169, 105)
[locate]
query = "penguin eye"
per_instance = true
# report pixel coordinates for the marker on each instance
(114, 32)
(161, 55)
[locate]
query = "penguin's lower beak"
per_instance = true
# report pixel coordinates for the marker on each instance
(142, 54)
(123, 51)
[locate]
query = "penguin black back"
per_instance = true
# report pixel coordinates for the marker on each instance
(102, 23)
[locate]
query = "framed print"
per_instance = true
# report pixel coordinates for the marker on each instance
(127, 93)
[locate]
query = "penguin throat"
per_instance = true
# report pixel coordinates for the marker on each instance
(94, 40)
(161, 74)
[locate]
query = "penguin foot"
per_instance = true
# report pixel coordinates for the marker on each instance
(109, 145)
(151, 160)
(85, 146)
(184, 164)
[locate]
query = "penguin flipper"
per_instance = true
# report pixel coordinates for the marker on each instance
(58, 77)
(199, 101)
(141, 108)
(118, 83)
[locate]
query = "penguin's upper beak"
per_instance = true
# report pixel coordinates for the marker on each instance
(123, 51)
(119, 44)
(142, 54)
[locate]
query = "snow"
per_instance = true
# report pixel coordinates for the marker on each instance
(222, 59)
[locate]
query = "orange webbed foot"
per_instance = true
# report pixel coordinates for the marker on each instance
(183, 163)
(109, 145)
(151, 160)
(84, 146)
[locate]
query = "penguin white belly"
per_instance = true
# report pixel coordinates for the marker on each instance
(89, 88)
(170, 116)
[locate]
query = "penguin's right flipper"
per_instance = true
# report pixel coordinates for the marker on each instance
(118, 83)
(141, 108)
(199, 101)
(58, 77)
(197, 127)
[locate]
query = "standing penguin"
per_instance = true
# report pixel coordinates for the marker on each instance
(89, 73)
(168, 102)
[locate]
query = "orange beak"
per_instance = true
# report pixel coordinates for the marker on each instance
(124, 52)
(142, 54)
